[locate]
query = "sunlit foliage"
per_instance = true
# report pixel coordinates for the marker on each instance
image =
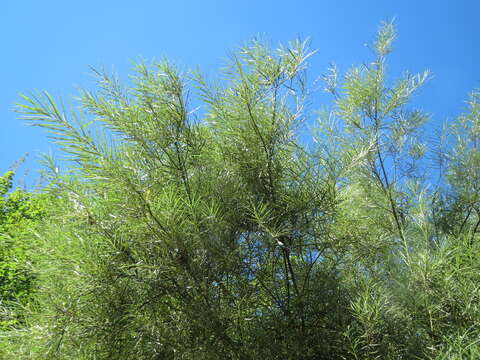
(220, 233)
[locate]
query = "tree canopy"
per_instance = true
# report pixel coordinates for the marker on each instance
(20, 211)
(222, 233)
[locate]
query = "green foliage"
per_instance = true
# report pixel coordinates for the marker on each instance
(224, 236)
(19, 212)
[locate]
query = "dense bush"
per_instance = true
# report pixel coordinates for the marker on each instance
(226, 234)
(19, 213)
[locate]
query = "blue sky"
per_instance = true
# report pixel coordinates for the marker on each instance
(50, 44)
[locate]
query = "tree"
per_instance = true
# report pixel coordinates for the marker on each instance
(20, 211)
(223, 235)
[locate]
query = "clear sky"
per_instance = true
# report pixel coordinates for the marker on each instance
(50, 44)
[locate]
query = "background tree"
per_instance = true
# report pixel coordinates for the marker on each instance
(20, 211)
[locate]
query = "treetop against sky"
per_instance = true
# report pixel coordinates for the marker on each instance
(50, 45)
(223, 234)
